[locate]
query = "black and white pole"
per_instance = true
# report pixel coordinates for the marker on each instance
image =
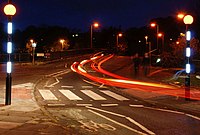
(188, 19)
(9, 10)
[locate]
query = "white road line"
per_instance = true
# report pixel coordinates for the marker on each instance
(192, 116)
(120, 124)
(52, 85)
(65, 72)
(139, 125)
(104, 105)
(112, 113)
(58, 73)
(55, 105)
(123, 116)
(114, 95)
(164, 110)
(139, 106)
(84, 105)
(47, 95)
(70, 87)
(87, 87)
(93, 95)
(70, 95)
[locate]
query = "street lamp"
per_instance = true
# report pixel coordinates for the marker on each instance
(161, 35)
(95, 25)
(180, 15)
(33, 46)
(62, 43)
(9, 11)
(148, 44)
(117, 41)
(188, 20)
(157, 31)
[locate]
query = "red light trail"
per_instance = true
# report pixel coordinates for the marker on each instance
(123, 82)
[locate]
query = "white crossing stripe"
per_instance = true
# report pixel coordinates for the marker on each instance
(48, 95)
(93, 95)
(70, 95)
(114, 95)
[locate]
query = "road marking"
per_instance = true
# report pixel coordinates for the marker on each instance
(70, 95)
(84, 105)
(93, 126)
(55, 105)
(59, 73)
(47, 95)
(120, 124)
(104, 105)
(87, 87)
(164, 110)
(123, 116)
(139, 125)
(52, 85)
(112, 113)
(192, 116)
(70, 87)
(114, 95)
(139, 106)
(93, 95)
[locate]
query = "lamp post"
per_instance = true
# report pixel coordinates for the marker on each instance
(33, 46)
(117, 40)
(149, 46)
(180, 15)
(161, 35)
(157, 31)
(95, 25)
(62, 43)
(9, 11)
(188, 20)
(147, 43)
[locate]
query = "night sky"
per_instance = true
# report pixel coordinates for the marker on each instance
(81, 13)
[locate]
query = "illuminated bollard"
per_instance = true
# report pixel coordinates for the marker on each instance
(9, 10)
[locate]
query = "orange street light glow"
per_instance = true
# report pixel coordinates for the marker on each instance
(120, 34)
(153, 24)
(160, 34)
(62, 41)
(180, 15)
(96, 25)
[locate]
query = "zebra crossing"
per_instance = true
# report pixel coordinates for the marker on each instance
(72, 95)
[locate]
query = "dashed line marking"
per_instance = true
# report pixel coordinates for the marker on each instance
(87, 87)
(55, 105)
(106, 105)
(70, 87)
(84, 105)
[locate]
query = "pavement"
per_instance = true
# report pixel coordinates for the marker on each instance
(24, 116)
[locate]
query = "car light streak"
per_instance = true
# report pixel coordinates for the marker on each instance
(73, 67)
(109, 73)
(141, 83)
(81, 69)
(129, 84)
